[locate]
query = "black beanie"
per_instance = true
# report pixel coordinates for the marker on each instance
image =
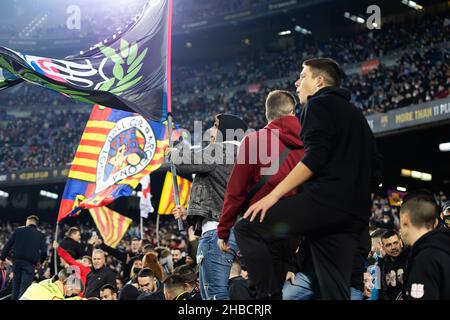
(129, 292)
(228, 121)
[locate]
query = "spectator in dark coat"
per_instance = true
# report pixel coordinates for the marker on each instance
(99, 275)
(237, 285)
(30, 250)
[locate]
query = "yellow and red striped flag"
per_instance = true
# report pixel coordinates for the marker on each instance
(111, 224)
(167, 201)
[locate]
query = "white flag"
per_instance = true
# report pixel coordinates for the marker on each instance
(145, 203)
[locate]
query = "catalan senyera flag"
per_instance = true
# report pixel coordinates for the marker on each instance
(111, 224)
(116, 150)
(395, 197)
(167, 201)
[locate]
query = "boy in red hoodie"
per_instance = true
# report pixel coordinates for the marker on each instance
(257, 153)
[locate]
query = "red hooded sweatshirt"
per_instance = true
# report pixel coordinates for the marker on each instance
(249, 162)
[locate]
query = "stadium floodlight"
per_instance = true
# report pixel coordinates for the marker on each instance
(444, 147)
(302, 30)
(4, 194)
(402, 189)
(354, 18)
(48, 194)
(284, 33)
(416, 174)
(405, 173)
(412, 4)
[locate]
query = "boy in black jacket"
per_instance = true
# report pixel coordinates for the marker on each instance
(336, 176)
(427, 274)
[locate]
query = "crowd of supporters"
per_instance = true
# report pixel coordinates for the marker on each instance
(169, 243)
(175, 252)
(239, 86)
(46, 138)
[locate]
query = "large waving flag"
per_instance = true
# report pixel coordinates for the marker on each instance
(130, 72)
(167, 202)
(117, 149)
(111, 225)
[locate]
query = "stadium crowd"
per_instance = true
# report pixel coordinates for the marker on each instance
(172, 247)
(175, 254)
(421, 73)
(418, 76)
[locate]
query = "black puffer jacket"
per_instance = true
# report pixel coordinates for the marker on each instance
(75, 249)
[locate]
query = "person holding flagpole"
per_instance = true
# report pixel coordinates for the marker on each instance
(206, 201)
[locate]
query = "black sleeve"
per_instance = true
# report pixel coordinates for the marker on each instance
(43, 249)
(382, 293)
(423, 277)
(88, 249)
(295, 254)
(119, 255)
(8, 246)
(79, 250)
(317, 135)
(192, 247)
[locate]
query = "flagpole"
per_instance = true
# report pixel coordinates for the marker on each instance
(173, 170)
(169, 105)
(157, 229)
(55, 253)
(142, 228)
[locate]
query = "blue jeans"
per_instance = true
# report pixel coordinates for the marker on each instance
(215, 266)
(304, 288)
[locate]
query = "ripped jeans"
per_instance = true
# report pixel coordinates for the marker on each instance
(215, 266)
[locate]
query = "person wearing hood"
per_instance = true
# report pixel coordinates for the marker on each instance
(281, 132)
(252, 180)
(427, 276)
(206, 201)
(340, 169)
